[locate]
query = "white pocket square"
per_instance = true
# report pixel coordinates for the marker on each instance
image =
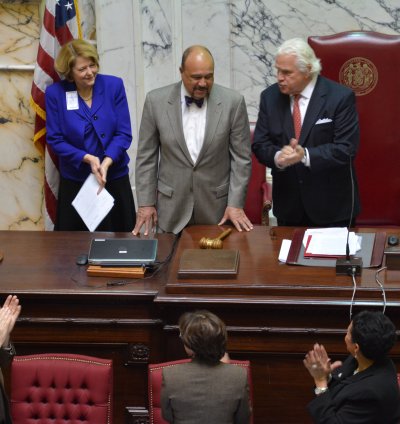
(323, 121)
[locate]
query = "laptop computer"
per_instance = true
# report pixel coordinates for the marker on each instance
(122, 252)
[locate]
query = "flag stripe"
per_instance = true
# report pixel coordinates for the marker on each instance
(63, 34)
(46, 64)
(48, 23)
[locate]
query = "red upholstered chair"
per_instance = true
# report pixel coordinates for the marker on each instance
(155, 381)
(369, 63)
(57, 387)
(259, 191)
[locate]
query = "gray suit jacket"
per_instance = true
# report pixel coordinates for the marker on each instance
(166, 176)
(198, 393)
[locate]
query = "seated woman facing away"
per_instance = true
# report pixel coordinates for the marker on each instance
(205, 390)
(363, 389)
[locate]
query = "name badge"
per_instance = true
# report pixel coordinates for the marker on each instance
(72, 100)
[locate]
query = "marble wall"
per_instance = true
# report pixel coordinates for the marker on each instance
(142, 41)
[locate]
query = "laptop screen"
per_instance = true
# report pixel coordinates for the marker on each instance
(122, 252)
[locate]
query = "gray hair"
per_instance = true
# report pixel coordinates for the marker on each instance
(305, 55)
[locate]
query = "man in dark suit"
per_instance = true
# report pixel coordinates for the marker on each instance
(313, 172)
(194, 158)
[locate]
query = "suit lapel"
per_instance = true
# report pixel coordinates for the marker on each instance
(174, 113)
(98, 94)
(313, 111)
(214, 110)
(70, 86)
(286, 116)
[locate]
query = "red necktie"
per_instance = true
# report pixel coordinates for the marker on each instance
(296, 116)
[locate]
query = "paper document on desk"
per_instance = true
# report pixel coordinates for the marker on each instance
(329, 242)
(92, 207)
(285, 247)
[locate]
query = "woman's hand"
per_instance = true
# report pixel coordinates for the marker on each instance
(319, 365)
(94, 163)
(107, 162)
(99, 169)
(8, 316)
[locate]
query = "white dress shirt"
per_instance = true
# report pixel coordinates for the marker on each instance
(304, 101)
(194, 124)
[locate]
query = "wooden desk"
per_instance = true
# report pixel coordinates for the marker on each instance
(63, 310)
(274, 312)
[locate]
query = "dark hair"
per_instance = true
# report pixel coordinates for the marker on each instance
(205, 334)
(190, 49)
(375, 334)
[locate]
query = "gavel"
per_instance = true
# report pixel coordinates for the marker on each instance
(214, 243)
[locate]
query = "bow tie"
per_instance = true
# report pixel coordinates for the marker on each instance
(197, 102)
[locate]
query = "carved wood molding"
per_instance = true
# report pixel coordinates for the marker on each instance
(138, 353)
(273, 330)
(90, 321)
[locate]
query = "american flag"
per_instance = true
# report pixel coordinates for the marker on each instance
(61, 23)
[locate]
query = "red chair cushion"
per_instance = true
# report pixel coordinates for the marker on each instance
(47, 388)
(259, 192)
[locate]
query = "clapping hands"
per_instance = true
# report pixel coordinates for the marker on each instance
(8, 316)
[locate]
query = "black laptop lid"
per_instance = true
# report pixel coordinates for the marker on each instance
(122, 252)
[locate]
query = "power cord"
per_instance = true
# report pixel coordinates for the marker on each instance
(378, 281)
(380, 284)
(353, 276)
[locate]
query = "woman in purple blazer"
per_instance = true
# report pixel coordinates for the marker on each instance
(88, 128)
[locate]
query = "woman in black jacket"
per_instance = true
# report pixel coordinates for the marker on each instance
(363, 389)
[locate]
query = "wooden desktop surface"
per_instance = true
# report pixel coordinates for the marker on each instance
(274, 312)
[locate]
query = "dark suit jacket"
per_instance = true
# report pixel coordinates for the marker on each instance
(369, 397)
(5, 358)
(107, 121)
(330, 132)
(166, 176)
(198, 393)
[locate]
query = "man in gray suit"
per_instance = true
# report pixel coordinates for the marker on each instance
(194, 156)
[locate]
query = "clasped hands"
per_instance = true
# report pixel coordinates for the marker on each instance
(99, 169)
(319, 365)
(290, 154)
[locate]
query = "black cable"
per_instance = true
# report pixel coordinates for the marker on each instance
(351, 213)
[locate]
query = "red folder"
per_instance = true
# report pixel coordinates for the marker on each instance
(297, 241)
(317, 255)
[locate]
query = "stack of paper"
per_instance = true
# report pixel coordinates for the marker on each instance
(329, 242)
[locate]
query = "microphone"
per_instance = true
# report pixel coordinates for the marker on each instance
(349, 266)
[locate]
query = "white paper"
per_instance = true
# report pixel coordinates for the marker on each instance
(92, 207)
(283, 253)
(331, 241)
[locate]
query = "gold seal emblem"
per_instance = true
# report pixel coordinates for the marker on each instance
(359, 74)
